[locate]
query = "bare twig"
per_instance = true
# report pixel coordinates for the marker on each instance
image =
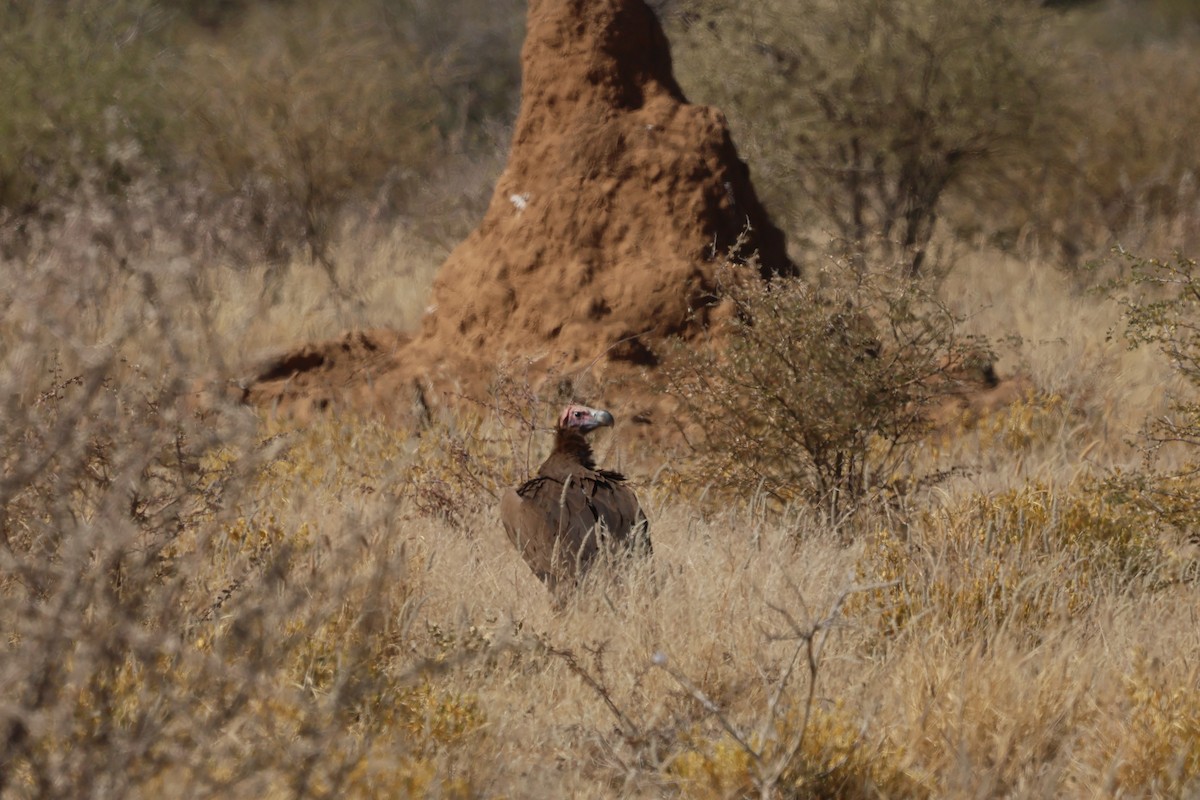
(772, 765)
(661, 661)
(631, 730)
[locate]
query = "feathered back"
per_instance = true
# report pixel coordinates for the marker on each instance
(561, 519)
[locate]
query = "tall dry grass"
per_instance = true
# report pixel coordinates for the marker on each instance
(220, 606)
(199, 602)
(1067, 338)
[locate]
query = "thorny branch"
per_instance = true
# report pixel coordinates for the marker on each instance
(811, 641)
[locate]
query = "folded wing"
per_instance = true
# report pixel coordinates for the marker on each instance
(561, 520)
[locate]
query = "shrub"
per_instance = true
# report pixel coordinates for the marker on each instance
(170, 577)
(863, 115)
(815, 391)
(1160, 303)
(1128, 173)
(79, 92)
(164, 582)
(311, 108)
(473, 49)
(1032, 421)
(835, 761)
(1161, 308)
(256, 130)
(100, 490)
(1159, 750)
(315, 107)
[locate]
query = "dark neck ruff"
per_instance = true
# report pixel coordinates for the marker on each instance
(572, 442)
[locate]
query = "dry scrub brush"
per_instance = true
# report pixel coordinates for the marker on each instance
(207, 604)
(78, 88)
(218, 606)
(1132, 161)
(317, 109)
(819, 388)
(1161, 307)
(192, 605)
(311, 114)
(259, 134)
(866, 115)
(1033, 128)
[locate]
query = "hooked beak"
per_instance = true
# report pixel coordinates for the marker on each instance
(584, 419)
(600, 419)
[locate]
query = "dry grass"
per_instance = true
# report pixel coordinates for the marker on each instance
(1045, 325)
(215, 605)
(293, 618)
(385, 280)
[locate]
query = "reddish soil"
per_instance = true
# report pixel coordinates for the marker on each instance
(600, 240)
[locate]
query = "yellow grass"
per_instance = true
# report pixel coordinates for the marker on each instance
(199, 602)
(324, 631)
(384, 280)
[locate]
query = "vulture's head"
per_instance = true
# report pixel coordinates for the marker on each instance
(584, 419)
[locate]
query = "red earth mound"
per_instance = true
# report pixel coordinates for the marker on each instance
(617, 204)
(601, 238)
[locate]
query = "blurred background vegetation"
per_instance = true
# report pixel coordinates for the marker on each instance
(1013, 124)
(258, 126)
(323, 157)
(261, 130)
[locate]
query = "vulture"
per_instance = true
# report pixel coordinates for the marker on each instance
(561, 519)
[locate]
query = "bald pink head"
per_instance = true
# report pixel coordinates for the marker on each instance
(584, 419)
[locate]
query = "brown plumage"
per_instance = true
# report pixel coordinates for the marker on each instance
(560, 519)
